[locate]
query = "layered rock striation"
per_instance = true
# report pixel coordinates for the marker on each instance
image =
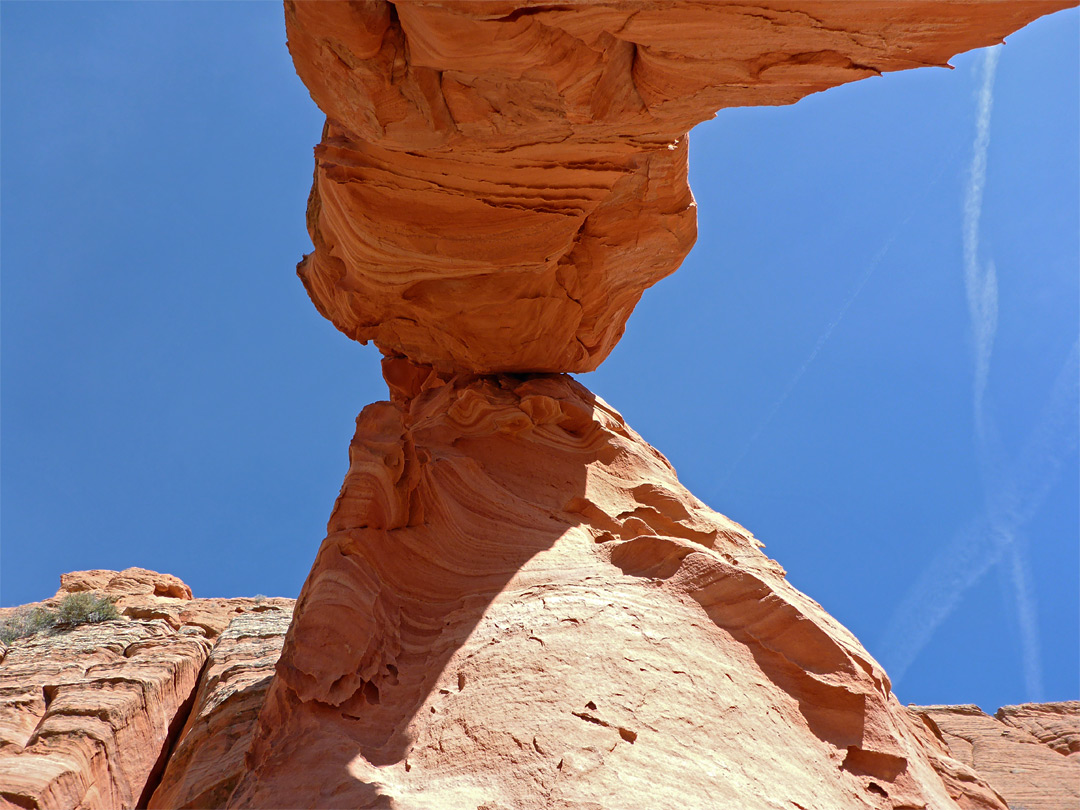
(89, 714)
(1027, 753)
(498, 182)
(519, 606)
(621, 708)
(208, 757)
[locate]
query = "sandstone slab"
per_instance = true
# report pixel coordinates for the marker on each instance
(208, 758)
(1054, 724)
(89, 714)
(1028, 772)
(499, 182)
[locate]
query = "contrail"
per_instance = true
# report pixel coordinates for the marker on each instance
(1028, 620)
(821, 341)
(984, 541)
(982, 299)
(1013, 495)
(981, 286)
(823, 338)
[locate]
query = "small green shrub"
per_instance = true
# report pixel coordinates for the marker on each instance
(26, 623)
(73, 610)
(85, 608)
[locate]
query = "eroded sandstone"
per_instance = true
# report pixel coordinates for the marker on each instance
(519, 606)
(1054, 724)
(1031, 772)
(498, 182)
(88, 715)
(208, 758)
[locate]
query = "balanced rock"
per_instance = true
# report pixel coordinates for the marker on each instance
(498, 182)
(517, 605)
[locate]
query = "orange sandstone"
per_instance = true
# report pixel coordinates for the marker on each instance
(82, 711)
(1032, 771)
(88, 715)
(498, 182)
(518, 606)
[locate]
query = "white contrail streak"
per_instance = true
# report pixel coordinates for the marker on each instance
(982, 299)
(1028, 620)
(1013, 495)
(823, 338)
(981, 286)
(983, 542)
(821, 341)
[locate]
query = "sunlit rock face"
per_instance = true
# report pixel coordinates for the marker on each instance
(519, 606)
(498, 182)
(89, 714)
(1030, 754)
(207, 758)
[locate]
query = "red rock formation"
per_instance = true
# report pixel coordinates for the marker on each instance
(92, 702)
(499, 182)
(519, 606)
(88, 714)
(1054, 724)
(1031, 772)
(208, 758)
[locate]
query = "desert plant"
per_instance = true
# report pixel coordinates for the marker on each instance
(25, 623)
(85, 608)
(73, 610)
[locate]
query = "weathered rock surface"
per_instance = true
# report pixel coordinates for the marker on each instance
(208, 758)
(519, 606)
(88, 714)
(498, 182)
(1054, 724)
(89, 717)
(1031, 772)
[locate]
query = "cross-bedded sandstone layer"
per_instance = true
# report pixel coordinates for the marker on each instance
(88, 715)
(1028, 753)
(105, 713)
(498, 182)
(519, 606)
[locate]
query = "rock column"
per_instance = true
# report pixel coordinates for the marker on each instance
(517, 605)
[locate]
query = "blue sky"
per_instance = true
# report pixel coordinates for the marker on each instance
(171, 399)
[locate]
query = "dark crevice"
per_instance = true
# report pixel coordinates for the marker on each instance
(19, 800)
(172, 737)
